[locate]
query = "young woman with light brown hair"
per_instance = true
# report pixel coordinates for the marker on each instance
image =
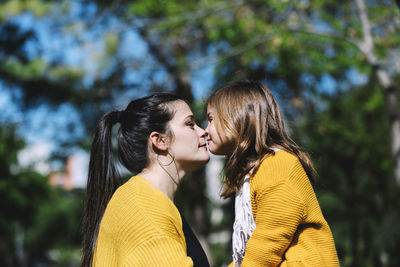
(278, 221)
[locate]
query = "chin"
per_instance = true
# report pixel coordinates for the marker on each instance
(217, 152)
(222, 150)
(199, 163)
(212, 150)
(205, 159)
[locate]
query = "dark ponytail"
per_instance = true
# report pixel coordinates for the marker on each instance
(140, 118)
(101, 184)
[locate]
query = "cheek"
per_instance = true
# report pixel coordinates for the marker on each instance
(217, 138)
(215, 144)
(213, 132)
(189, 139)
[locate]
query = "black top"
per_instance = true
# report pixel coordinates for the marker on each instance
(193, 247)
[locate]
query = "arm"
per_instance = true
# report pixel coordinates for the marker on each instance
(279, 212)
(158, 251)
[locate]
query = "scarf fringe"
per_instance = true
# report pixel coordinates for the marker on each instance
(244, 224)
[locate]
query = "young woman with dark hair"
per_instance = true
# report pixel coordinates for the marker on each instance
(278, 221)
(137, 223)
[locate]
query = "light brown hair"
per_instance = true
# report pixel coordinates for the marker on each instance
(248, 113)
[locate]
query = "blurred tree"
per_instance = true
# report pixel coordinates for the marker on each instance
(355, 188)
(54, 236)
(35, 219)
(34, 76)
(21, 67)
(22, 193)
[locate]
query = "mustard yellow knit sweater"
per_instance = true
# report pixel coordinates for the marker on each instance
(290, 228)
(141, 227)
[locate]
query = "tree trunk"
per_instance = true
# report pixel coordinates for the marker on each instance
(392, 101)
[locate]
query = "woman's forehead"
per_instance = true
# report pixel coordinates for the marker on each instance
(182, 110)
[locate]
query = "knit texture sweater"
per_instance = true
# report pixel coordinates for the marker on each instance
(141, 226)
(290, 228)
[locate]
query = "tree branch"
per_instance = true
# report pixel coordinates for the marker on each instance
(181, 78)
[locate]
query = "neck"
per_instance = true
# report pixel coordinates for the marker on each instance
(164, 178)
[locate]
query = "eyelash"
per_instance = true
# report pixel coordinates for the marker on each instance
(190, 123)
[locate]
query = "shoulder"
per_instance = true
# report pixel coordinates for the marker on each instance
(138, 213)
(139, 193)
(281, 168)
(134, 196)
(138, 202)
(280, 159)
(276, 168)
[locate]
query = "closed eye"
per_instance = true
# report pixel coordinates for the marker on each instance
(190, 123)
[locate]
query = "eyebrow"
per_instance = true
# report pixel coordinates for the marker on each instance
(190, 116)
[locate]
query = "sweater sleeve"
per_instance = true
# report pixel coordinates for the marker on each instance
(159, 251)
(279, 212)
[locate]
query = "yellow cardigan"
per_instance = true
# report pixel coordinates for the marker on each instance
(141, 227)
(290, 228)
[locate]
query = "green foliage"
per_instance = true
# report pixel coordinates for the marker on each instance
(112, 42)
(46, 218)
(357, 192)
(64, 73)
(19, 191)
(14, 7)
(31, 70)
(219, 253)
(56, 227)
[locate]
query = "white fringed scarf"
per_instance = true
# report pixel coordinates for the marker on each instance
(244, 224)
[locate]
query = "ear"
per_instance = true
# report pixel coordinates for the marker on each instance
(160, 141)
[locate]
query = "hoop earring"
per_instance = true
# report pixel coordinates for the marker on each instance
(166, 164)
